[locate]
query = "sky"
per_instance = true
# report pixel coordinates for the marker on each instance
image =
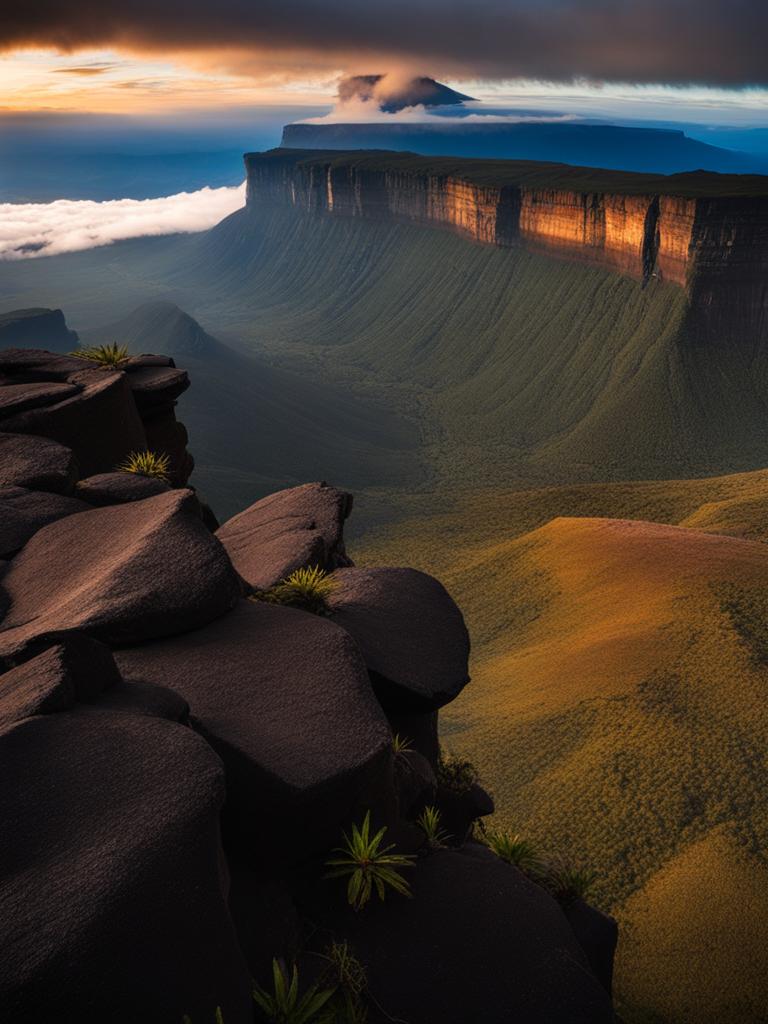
(654, 58)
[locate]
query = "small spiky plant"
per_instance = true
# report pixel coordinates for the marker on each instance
(369, 865)
(307, 588)
(429, 823)
(285, 1005)
(217, 1019)
(517, 851)
(111, 357)
(401, 744)
(147, 463)
(568, 883)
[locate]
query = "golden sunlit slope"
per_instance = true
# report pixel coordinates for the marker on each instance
(619, 706)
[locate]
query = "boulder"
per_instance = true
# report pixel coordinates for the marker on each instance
(126, 573)
(77, 668)
(36, 463)
(100, 423)
(415, 783)
(146, 359)
(139, 698)
(459, 810)
(478, 942)
(24, 512)
(118, 488)
(284, 698)
(411, 633)
(299, 527)
(20, 397)
(598, 935)
(154, 386)
(29, 364)
(112, 886)
(166, 436)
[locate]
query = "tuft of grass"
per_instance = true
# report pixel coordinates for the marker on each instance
(429, 823)
(401, 744)
(284, 1005)
(456, 773)
(111, 357)
(517, 851)
(568, 883)
(369, 865)
(348, 976)
(305, 588)
(147, 463)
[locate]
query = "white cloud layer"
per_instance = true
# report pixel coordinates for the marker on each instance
(29, 230)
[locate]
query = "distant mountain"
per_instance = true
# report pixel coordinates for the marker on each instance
(661, 151)
(36, 328)
(420, 91)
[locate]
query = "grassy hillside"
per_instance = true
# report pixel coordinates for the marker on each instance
(517, 368)
(256, 428)
(617, 709)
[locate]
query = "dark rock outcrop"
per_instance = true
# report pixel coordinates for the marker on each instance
(76, 668)
(112, 890)
(162, 735)
(471, 917)
(126, 574)
(36, 463)
(411, 633)
(24, 512)
(100, 423)
(299, 527)
(118, 488)
(274, 689)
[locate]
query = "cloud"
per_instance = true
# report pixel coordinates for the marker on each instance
(30, 230)
(80, 71)
(670, 41)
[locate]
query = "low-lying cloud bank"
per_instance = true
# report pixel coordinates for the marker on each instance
(29, 230)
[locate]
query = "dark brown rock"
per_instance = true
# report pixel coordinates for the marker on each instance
(16, 398)
(460, 810)
(415, 783)
(36, 463)
(411, 633)
(166, 436)
(139, 698)
(127, 573)
(100, 424)
(28, 364)
(478, 942)
(302, 526)
(118, 488)
(146, 359)
(76, 669)
(598, 935)
(284, 698)
(24, 512)
(154, 386)
(112, 887)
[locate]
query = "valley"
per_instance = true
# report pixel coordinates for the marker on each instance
(575, 446)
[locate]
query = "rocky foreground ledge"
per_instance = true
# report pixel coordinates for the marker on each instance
(179, 760)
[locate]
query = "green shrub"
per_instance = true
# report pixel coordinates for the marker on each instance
(146, 463)
(285, 1005)
(111, 357)
(455, 773)
(429, 823)
(568, 883)
(368, 865)
(517, 851)
(306, 588)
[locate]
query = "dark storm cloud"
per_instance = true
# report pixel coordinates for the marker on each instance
(707, 41)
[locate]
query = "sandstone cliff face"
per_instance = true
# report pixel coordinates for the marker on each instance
(688, 241)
